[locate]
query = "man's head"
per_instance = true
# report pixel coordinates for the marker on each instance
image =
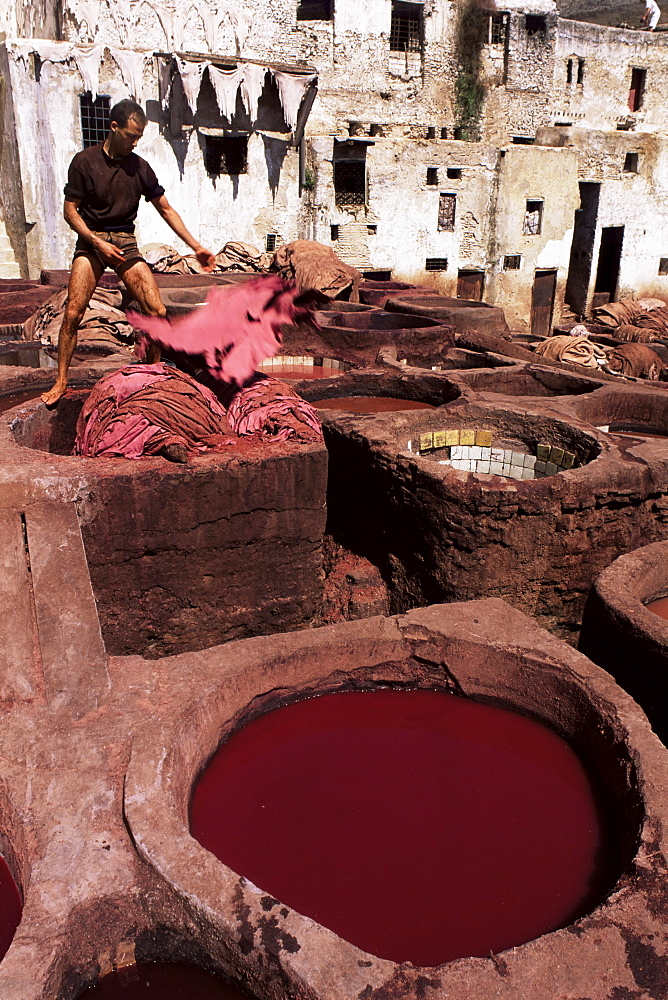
(127, 122)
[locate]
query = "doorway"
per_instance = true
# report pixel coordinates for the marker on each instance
(609, 260)
(582, 248)
(542, 302)
(470, 285)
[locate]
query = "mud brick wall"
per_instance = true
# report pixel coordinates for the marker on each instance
(227, 548)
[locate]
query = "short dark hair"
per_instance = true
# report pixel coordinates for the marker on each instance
(124, 110)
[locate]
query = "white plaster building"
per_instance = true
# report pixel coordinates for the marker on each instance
(506, 154)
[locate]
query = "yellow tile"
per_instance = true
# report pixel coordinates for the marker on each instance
(451, 438)
(426, 441)
(467, 437)
(439, 439)
(483, 439)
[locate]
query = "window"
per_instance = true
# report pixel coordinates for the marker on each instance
(350, 182)
(372, 230)
(270, 241)
(663, 265)
(432, 175)
(512, 262)
(447, 204)
(94, 118)
(226, 154)
(436, 264)
(637, 91)
(314, 10)
(581, 70)
(498, 29)
(333, 233)
(454, 173)
(631, 163)
(431, 132)
(569, 71)
(533, 218)
(535, 25)
(406, 27)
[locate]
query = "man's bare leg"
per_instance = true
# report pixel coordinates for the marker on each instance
(139, 279)
(85, 274)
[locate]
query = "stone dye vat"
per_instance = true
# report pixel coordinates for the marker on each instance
(444, 524)
(627, 409)
(163, 981)
(623, 634)
(181, 557)
(318, 801)
(462, 314)
(529, 380)
(394, 390)
(375, 328)
(482, 654)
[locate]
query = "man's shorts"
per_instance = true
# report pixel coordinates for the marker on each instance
(125, 242)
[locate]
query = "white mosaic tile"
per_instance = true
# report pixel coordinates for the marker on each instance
(517, 458)
(476, 453)
(496, 455)
(551, 469)
(529, 461)
(456, 451)
(527, 473)
(496, 468)
(486, 454)
(483, 466)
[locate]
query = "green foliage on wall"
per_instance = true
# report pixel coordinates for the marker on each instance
(470, 90)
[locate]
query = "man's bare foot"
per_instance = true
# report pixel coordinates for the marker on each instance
(53, 395)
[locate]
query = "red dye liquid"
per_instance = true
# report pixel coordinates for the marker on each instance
(659, 607)
(418, 825)
(302, 371)
(163, 981)
(7, 402)
(10, 907)
(371, 404)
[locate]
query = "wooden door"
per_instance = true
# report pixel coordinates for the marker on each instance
(542, 302)
(470, 285)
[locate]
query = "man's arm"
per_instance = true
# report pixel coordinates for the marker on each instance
(175, 222)
(110, 254)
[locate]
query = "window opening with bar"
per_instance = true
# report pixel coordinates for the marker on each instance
(94, 118)
(406, 27)
(350, 182)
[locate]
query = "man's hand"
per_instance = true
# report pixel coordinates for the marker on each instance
(110, 254)
(206, 259)
(53, 395)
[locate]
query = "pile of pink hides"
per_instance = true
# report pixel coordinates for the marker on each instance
(141, 409)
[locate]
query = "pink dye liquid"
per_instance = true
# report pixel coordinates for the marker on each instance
(163, 981)
(418, 825)
(302, 371)
(10, 907)
(371, 404)
(659, 607)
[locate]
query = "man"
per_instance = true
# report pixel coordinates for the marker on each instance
(104, 187)
(651, 16)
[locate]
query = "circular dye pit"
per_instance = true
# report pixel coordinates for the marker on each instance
(659, 607)
(10, 907)
(371, 404)
(418, 825)
(163, 981)
(629, 430)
